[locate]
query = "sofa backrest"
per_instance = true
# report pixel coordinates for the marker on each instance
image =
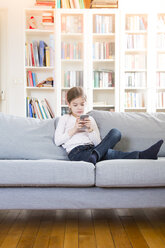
(28, 138)
(138, 130)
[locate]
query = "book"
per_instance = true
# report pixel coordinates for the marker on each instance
(104, 4)
(49, 108)
(42, 46)
(47, 54)
(30, 78)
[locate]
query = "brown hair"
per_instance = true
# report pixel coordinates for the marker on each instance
(74, 93)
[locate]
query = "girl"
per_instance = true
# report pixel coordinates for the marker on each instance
(86, 144)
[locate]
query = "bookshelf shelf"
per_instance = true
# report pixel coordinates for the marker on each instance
(134, 108)
(72, 35)
(40, 88)
(135, 70)
(135, 88)
(38, 31)
(106, 35)
(136, 32)
(103, 60)
(39, 68)
(107, 88)
(72, 60)
(103, 106)
(135, 50)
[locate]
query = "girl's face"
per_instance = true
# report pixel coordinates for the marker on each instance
(77, 106)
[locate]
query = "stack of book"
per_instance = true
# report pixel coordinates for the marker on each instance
(73, 4)
(49, 82)
(47, 18)
(45, 3)
(38, 108)
(104, 4)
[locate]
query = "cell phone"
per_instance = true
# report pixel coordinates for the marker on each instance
(82, 117)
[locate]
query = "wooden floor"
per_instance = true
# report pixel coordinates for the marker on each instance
(121, 228)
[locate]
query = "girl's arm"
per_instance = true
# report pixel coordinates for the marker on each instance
(94, 133)
(61, 136)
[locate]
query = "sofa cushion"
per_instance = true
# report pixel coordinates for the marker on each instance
(138, 130)
(130, 173)
(28, 138)
(46, 172)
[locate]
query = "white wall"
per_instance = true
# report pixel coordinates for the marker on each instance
(14, 92)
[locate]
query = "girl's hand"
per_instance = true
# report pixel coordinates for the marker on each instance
(79, 124)
(76, 127)
(88, 124)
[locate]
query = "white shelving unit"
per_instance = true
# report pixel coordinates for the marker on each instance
(45, 33)
(160, 66)
(66, 33)
(133, 62)
(135, 36)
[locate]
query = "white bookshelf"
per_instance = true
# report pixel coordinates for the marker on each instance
(43, 32)
(133, 61)
(102, 97)
(127, 60)
(160, 66)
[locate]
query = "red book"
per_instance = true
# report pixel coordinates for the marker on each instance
(30, 78)
(32, 54)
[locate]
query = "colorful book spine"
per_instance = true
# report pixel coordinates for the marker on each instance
(136, 23)
(103, 79)
(103, 24)
(73, 78)
(37, 108)
(103, 50)
(71, 50)
(134, 100)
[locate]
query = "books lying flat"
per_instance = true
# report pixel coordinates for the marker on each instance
(37, 108)
(104, 4)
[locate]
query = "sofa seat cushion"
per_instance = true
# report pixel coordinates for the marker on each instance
(46, 172)
(130, 173)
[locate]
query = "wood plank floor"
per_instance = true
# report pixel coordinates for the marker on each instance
(91, 228)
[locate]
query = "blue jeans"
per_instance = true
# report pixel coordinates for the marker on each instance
(104, 149)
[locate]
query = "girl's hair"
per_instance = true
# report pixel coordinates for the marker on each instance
(74, 93)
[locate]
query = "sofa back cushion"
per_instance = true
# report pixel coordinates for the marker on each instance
(28, 138)
(138, 130)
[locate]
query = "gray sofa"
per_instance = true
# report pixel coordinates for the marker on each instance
(36, 174)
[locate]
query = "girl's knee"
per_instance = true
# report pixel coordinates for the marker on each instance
(116, 132)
